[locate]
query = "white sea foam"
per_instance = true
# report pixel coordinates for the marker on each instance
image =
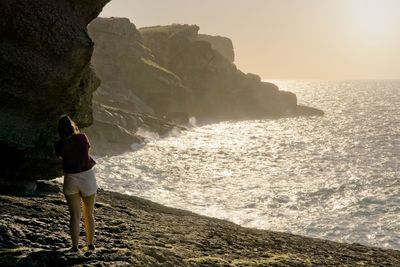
(193, 121)
(147, 134)
(333, 177)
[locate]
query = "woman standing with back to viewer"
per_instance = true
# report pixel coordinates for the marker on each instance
(79, 179)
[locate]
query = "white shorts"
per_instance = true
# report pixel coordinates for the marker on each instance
(81, 182)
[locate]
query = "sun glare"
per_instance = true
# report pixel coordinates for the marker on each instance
(373, 20)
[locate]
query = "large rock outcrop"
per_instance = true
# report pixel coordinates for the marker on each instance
(219, 89)
(130, 77)
(135, 91)
(172, 69)
(45, 71)
(171, 72)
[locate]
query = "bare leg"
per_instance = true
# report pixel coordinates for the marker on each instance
(74, 205)
(88, 215)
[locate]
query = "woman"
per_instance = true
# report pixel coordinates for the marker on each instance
(79, 179)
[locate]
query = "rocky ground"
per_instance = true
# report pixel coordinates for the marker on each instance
(136, 232)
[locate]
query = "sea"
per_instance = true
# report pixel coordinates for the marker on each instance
(334, 177)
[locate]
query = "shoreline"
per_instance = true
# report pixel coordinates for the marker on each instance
(132, 231)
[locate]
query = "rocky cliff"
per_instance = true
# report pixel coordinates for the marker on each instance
(172, 72)
(130, 77)
(222, 44)
(135, 92)
(45, 71)
(170, 69)
(219, 89)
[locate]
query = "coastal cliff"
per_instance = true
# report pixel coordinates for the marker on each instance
(130, 77)
(135, 92)
(45, 71)
(219, 89)
(164, 70)
(136, 232)
(172, 73)
(150, 78)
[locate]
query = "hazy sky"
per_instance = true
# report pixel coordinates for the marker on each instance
(289, 39)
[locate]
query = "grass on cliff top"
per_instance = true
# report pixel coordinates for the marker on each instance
(167, 28)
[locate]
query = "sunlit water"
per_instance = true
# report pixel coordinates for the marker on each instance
(334, 177)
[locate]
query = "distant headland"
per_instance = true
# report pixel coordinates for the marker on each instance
(173, 73)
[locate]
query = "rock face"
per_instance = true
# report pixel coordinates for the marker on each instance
(171, 72)
(222, 44)
(133, 87)
(45, 71)
(166, 70)
(219, 89)
(115, 130)
(130, 77)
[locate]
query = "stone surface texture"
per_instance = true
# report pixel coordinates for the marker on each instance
(45, 71)
(222, 44)
(135, 232)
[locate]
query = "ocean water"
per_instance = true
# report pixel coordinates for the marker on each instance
(334, 177)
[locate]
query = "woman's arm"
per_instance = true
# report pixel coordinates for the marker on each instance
(86, 140)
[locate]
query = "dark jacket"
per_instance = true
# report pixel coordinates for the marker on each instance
(74, 151)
